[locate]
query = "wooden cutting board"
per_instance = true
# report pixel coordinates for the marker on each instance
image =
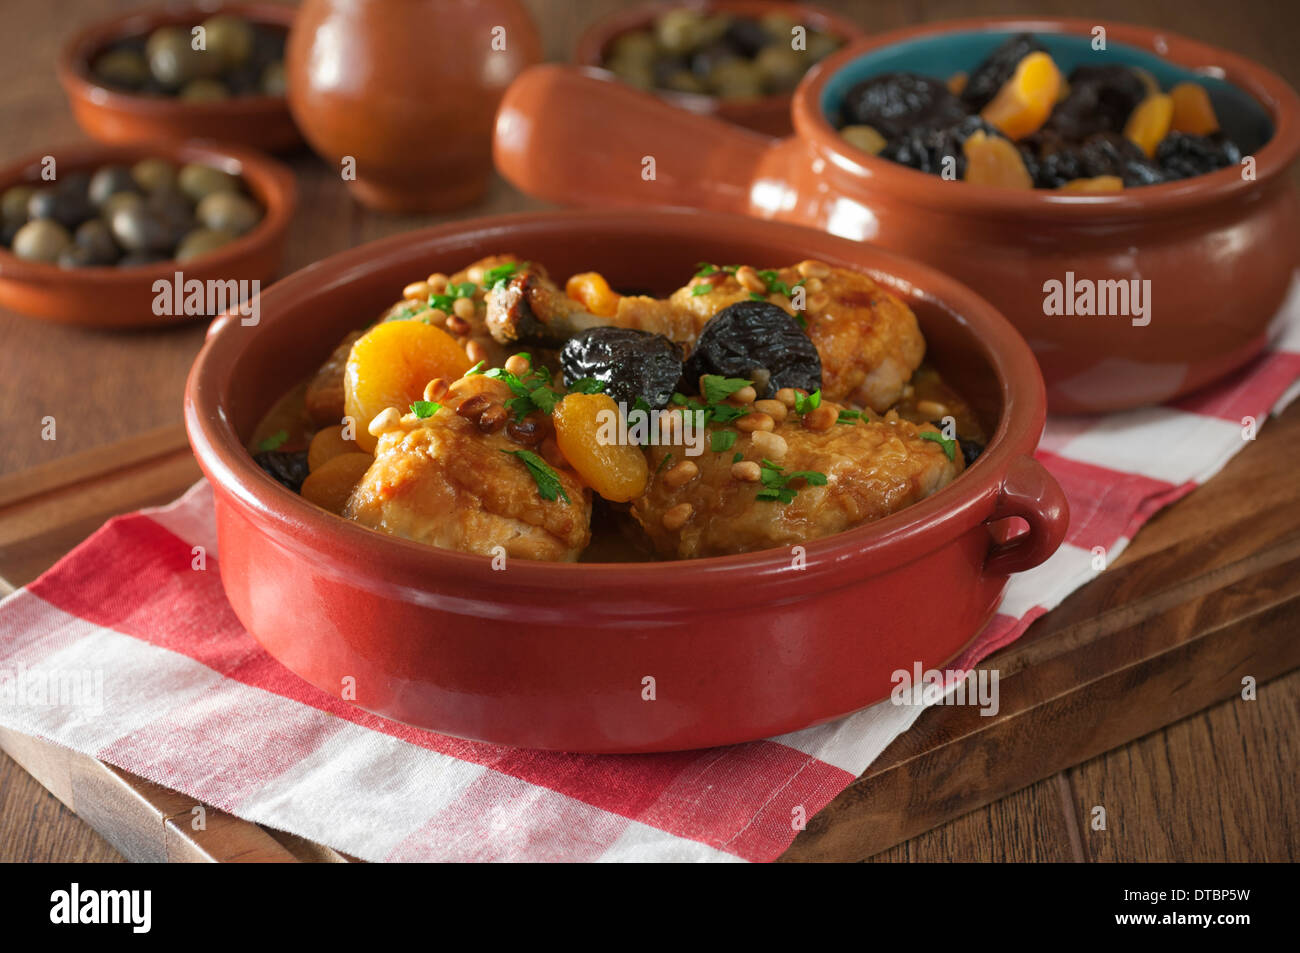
(1205, 596)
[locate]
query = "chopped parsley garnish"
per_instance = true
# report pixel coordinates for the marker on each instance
(587, 385)
(755, 296)
(701, 289)
(425, 408)
(737, 457)
(663, 464)
(722, 440)
(776, 483)
(404, 314)
(548, 482)
(493, 278)
(476, 369)
(848, 416)
(717, 388)
(705, 269)
(949, 446)
(275, 441)
(543, 398)
(805, 403)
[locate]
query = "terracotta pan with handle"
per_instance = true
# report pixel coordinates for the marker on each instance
(1218, 250)
(557, 655)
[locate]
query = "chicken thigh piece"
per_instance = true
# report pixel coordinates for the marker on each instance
(868, 338)
(872, 468)
(445, 481)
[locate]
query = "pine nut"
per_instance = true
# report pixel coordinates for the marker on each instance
(457, 324)
(518, 365)
(681, 474)
(436, 389)
(464, 308)
(821, 418)
(437, 282)
(475, 351)
(773, 408)
(786, 395)
(770, 445)
(416, 290)
(475, 274)
(931, 409)
(435, 316)
(745, 395)
(390, 418)
(749, 279)
(818, 302)
(813, 268)
(675, 518)
(757, 421)
(746, 470)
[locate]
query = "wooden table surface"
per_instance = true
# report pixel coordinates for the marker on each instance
(1210, 787)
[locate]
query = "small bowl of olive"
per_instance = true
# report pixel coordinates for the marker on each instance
(189, 73)
(87, 231)
(738, 60)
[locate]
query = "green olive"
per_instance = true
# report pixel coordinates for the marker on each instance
(173, 60)
(203, 90)
(138, 229)
(41, 240)
(15, 203)
(736, 79)
(201, 241)
(679, 31)
(272, 81)
(154, 174)
(198, 181)
(637, 46)
(119, 200)
(125, 68)
(780, 66)
(174, 210)
(632, 72)
(228, 211)
(229, 38)
(108, 180)
(822, 45)
(684, 81)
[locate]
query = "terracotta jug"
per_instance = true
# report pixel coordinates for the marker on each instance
(399, 95)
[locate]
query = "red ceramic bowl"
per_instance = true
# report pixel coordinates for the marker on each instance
(770, 114)
(110, 115)
(1218, 249)
(124, 297)
(551, 655)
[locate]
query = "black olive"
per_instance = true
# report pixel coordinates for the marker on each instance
(631, 364)
(1182, 155)
(68, 206)
(108, 180)
(289, 469)
(761, 342)
(893, 103)
(987, 78)
(746, 37)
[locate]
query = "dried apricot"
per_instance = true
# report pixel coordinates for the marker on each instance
(1025, 101)
(863, 137)
(330, 486)
(594, 292)
(1099, 183)
(328, 444)
(389, 366)
(957, 82)
(1193, 111)
(586, 426)
(992, 160)
(1150, 122)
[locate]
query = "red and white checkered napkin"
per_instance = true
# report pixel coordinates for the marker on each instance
(191, 701)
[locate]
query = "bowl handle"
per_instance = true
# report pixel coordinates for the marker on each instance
(576, 136)
(1030, 492)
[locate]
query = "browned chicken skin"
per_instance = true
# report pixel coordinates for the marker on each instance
(873, 468)
(867, 337)
(445, 482)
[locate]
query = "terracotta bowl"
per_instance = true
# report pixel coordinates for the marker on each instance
(110, 115)
(551, 655)
(770, 114)
(1218, 249)
(112, 297)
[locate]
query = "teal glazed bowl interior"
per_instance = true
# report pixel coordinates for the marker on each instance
(1240, 115)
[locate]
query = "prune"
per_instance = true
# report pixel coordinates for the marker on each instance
(631, 364)
(970, 449)
(759, 341)
(987, 78)
(924, 148)
(284, 467)
(894, 103)
(1101, 98)
(1182, 155)
(1109, 153)
(1051, 160)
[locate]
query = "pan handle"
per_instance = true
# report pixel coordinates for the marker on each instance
(1030, 492)
(576, 136)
